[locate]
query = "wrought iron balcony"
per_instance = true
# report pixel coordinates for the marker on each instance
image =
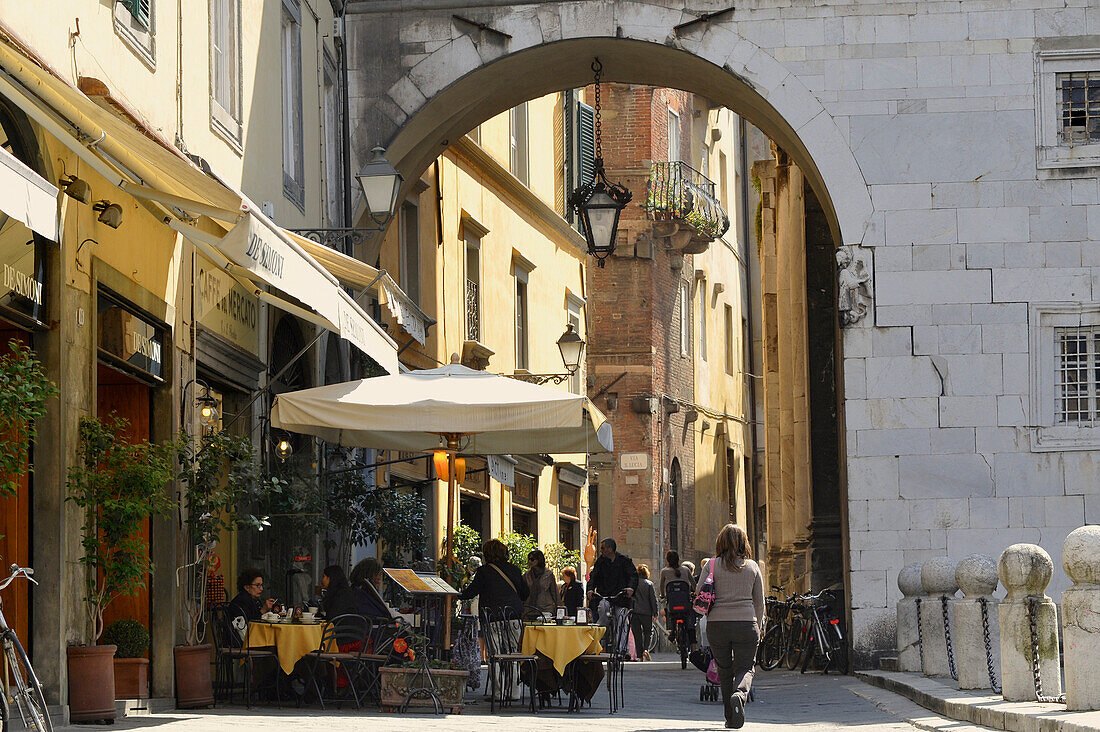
(342, 240)
(677, 192)
(473, 312)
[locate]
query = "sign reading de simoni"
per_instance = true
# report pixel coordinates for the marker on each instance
(260, 252)
(22, 284)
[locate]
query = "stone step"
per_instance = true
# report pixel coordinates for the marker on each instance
(888, 663)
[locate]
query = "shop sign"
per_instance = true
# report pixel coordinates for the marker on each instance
(501, 470)
(22, 272)
(130, 338)
(634, 461)
(225, 308)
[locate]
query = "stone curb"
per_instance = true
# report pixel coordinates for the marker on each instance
(981, 708)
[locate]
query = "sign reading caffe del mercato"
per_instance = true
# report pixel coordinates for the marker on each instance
(225, 308)
(126, 337)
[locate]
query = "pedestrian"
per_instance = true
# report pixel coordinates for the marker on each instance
(735, 618)
(674, 569)
(614, 578)
(571, 592)
(643, 612)
(543, 589)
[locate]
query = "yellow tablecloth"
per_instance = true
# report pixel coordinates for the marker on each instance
(291, 640)
(562, 643)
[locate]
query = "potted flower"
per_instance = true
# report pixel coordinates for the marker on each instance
(219, 472)
(131, 639)
(118, 484)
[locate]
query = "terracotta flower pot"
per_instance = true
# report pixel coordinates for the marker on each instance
(131, 678)
(449, 683)
(91, 683)
(194, 685)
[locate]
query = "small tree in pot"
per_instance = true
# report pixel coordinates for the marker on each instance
(118, 484)
(131, 640)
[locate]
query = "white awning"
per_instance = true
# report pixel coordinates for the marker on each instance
(28, 197)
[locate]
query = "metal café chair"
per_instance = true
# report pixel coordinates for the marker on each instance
(352, 633)
(503, 639)
(232, 652)
(617, 648)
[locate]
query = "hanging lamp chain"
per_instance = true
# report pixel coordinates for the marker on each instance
(597, 68)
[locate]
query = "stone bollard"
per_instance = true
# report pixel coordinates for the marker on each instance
(937, 578)
(1081, 618)
(977, 578)
(908, 618)
(1025, 571)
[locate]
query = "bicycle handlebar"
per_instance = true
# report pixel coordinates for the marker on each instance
(16, 572)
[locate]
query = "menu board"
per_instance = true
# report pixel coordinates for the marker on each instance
(420, 583)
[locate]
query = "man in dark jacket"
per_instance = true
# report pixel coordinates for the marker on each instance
(613, 575)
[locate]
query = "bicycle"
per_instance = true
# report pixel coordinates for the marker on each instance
(16, 669)
(773, 646)
(817, 636)
(656, 634)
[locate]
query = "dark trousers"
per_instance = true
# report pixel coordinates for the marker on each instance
(642, 627)
(733, 644)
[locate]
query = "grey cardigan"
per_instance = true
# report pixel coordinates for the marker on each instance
(645, 598)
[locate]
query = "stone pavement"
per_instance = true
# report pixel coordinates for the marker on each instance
(660, 697)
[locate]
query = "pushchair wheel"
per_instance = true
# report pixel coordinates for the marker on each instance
(703, 693)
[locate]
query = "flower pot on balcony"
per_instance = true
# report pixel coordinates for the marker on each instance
(194, 686)
(91, 683)
(131, 678)
(449, 683)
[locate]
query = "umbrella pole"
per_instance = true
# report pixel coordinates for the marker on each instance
(451, 484)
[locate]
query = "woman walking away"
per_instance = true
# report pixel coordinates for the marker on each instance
(643, 612)
(735, 618)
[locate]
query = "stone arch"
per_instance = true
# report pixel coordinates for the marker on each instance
(420, 103)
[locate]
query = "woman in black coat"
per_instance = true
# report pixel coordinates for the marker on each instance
(498, 584)
(339, 598)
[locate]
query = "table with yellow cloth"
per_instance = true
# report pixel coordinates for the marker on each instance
(562, 643)
(292, 641)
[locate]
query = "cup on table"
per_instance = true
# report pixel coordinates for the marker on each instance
(312, 610)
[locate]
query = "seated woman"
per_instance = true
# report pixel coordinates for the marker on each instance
(366, 583)
(339, 598)
(247, 603)
(572, 593)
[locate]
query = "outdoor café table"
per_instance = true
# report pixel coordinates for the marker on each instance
(562, 643)
(292, 641)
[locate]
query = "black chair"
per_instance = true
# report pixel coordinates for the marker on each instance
(503, 640)
(617, 640)
(231, 653)
(352, 632)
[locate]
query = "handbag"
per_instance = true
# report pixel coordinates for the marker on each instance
(704, 599)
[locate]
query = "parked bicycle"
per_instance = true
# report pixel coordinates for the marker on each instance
(777, 629)
(816, 635)
(20, 691)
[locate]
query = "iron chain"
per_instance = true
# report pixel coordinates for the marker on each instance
(1033, 622)
(920, 637)
(947, 637)
(988, 648)
(597, 68)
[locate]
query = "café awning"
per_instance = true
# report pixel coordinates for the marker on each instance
(155, 172)
(28, 197)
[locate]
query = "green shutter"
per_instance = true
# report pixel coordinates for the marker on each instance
(586, 142)
(141, 10)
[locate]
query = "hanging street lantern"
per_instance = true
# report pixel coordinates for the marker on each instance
(599, 202)
(571, 346)
(381, 184)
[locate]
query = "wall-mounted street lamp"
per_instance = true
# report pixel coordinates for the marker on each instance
(381, 184)
(76, 188)
(283, 449)
(571, 346)
(599, 202)
(206, 403)
(109, 213)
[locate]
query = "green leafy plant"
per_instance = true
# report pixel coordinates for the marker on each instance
(558, 557)
(519, 546)
(467, 543)
(219, 474)
(131, 637)
(361, 512)
(24, 392)
(118, 484)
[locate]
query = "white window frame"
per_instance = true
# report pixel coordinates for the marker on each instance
(701, 286)
(1051, 151)
(685, 320)
(1044, 323)
(227, 121)
(674, 151)
(574, 314)
(294, 188)
(519, 143)
(522, 311)
(731, 352)
(142, 41)
(471, 241)
(334, 151)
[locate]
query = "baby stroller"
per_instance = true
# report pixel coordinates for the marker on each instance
(702, 659)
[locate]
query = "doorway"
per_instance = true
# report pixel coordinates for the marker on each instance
(472, 512)
(15, 522)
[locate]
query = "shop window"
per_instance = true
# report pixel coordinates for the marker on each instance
(225, 69)
(291, 52)
(568, 531)
(523, 522)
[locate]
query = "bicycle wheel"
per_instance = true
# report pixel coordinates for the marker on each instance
(3, 708)
(29, 703)
(654, 641)
(682, 641)
(771, 648)
(795, 644)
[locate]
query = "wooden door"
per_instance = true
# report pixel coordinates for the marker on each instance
(119, 394)
(15, 526)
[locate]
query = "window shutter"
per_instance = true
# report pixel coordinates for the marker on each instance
(141, 10)
(586, 142)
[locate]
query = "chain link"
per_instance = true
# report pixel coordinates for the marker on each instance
(988, 648)
(947, 637)
(597, 68)
(920, 637)
(1033, 622)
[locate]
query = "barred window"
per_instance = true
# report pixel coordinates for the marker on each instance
(1077, 349)
(1079, 107)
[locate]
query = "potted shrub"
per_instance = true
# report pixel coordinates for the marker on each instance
(118, 484)
(449, 679)
(131, 639)
(219, 473)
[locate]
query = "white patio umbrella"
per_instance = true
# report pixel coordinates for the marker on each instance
(452, 408)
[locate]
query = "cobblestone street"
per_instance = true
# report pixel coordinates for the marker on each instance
(659, 697)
